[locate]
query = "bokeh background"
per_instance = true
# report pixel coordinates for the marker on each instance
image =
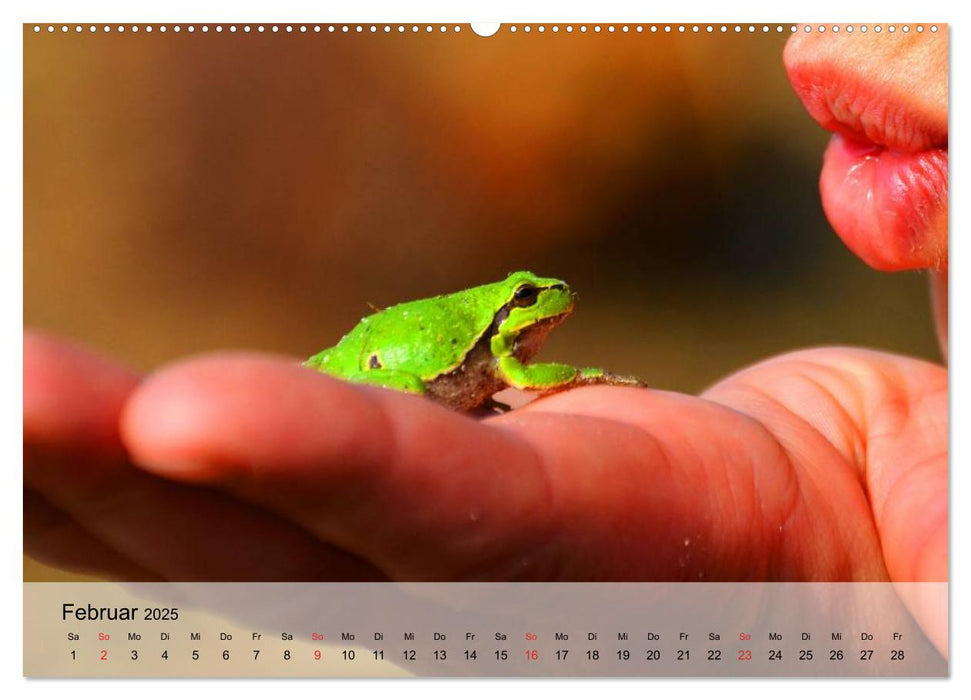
(191, 192)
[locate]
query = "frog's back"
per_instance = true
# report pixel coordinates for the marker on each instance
(427, 337)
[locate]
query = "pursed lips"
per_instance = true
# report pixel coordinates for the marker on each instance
(884, 182)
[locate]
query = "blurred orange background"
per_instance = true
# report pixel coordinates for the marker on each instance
(191, 192)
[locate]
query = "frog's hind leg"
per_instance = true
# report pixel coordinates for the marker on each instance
(390, 379)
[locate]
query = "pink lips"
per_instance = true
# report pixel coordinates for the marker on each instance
(884, 182)
(889, 207)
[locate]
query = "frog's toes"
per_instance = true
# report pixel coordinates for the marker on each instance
(496, 406)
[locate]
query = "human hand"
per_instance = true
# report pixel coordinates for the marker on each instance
(820, 465)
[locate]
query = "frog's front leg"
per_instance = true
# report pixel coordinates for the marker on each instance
(390, 379)
(548, 377)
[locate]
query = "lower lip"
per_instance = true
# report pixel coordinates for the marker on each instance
(890, 208)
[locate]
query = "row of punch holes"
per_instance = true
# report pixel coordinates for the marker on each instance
(514, 28)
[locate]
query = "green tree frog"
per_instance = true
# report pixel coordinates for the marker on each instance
(459, 349)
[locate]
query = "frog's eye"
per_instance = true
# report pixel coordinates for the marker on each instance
(525, 295)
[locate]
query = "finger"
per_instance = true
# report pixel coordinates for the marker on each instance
(429, 493)
(52, 537)
(187, 533)
(75, 462)
(394, 478)
(714, 492)
(72, 397)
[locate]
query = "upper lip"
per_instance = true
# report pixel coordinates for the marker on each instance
(843, 101)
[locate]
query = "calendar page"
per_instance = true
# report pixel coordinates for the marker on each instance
(485, 350)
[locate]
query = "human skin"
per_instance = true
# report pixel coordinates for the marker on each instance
(821, 465)
(884, 184)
